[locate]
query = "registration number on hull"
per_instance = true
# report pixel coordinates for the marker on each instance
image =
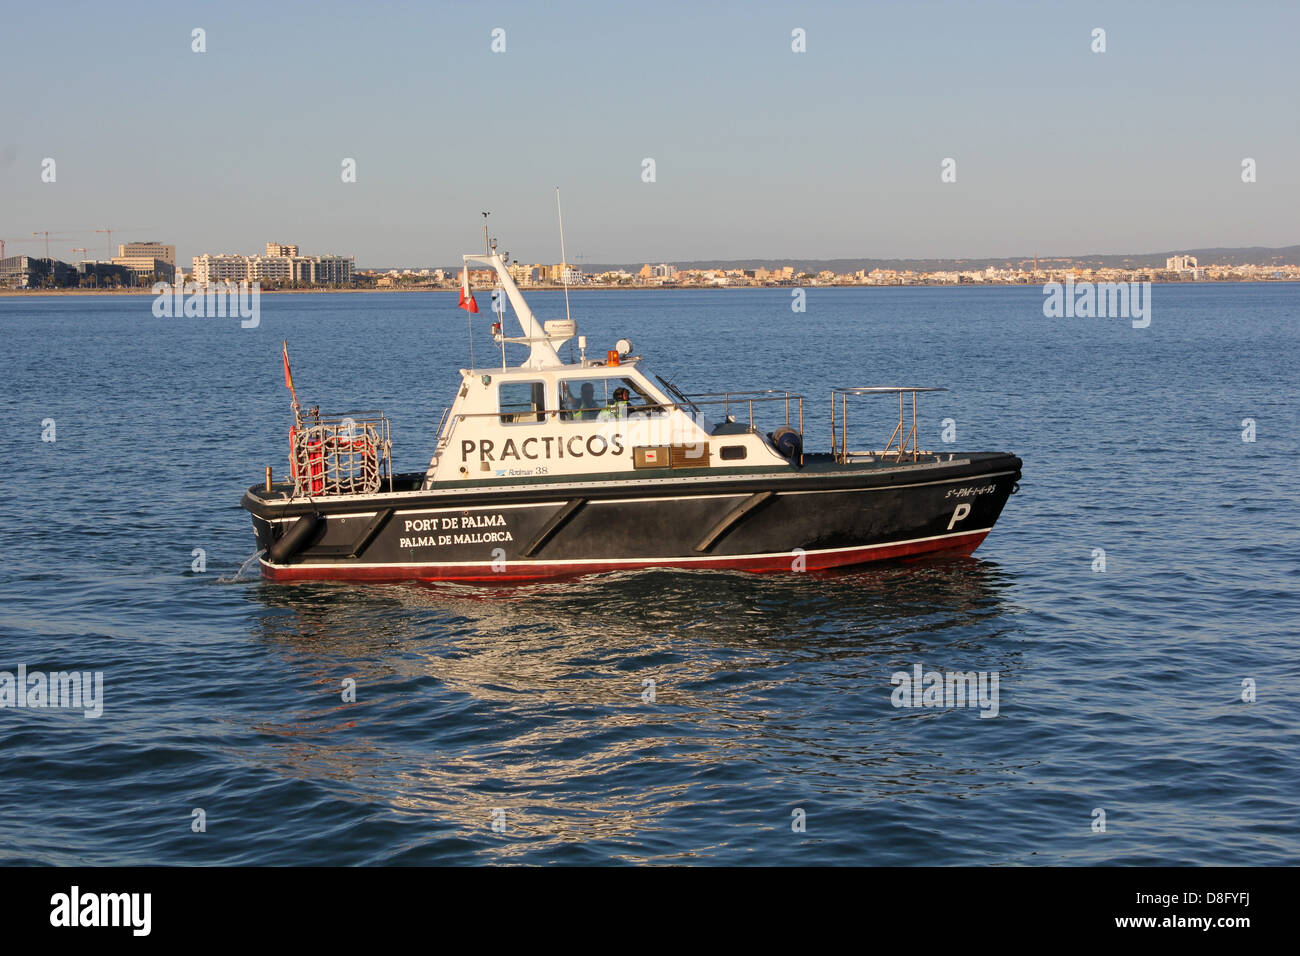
(970, 491)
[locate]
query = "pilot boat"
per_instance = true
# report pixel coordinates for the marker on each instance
(551, 468)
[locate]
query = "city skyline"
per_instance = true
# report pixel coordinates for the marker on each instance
(759, 151)
(140, 264)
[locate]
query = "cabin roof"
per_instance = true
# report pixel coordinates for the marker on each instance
(591, 369)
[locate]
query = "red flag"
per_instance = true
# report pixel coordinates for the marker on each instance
(288, 379)
(466, 297)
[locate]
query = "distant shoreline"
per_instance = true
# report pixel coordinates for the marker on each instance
(19, 293)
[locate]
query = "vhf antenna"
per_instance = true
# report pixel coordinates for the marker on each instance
(564, 260)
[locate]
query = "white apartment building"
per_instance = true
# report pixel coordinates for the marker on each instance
(324, 270)
(212, 269)
(312, 270)
(270, 269)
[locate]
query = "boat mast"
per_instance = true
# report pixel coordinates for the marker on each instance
(542, 354)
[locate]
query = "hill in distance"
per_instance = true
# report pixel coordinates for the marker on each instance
(1252, 255)
(1248, 255)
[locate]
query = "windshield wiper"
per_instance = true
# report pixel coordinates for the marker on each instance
(677, 394)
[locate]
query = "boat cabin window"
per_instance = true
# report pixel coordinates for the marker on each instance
(522, 402)
(583, 399)
(578, 399)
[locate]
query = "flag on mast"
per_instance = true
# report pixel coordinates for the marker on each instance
(288, 377)
(466, 297)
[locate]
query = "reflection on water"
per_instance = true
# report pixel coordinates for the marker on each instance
(1118, 689)
(538, 699)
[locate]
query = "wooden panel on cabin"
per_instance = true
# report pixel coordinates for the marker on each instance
(690, 456)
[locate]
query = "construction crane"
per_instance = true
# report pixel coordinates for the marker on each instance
(109, 230)
(110, 240)
(47, 233)
(3, 241)
(86, 252)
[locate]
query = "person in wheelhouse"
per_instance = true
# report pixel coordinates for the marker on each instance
(582, 408)
(616, 410)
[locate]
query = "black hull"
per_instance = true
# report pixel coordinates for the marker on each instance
(831, 516)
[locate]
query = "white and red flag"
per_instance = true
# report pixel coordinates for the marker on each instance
(466, 297)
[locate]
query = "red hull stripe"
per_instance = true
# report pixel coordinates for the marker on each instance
(962, 543)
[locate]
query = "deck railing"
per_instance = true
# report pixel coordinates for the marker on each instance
(791, 402)
(902, 443)
(840, 424)
(748, 398)
(726, 399)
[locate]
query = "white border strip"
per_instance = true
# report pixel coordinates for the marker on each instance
(612, 501)
(546, 488)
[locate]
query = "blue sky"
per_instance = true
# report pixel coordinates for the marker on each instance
(760, 152)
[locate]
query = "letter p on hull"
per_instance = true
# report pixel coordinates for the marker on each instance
(961, 511)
